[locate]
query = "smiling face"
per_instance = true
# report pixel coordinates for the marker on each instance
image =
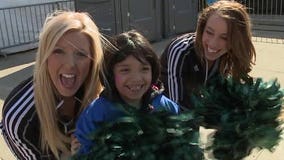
(69, 63)
(132, 79)
(214, 37)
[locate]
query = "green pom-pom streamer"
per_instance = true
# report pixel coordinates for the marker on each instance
(245, 116)
(147, 136)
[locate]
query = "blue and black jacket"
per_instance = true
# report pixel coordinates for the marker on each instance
(105, 110)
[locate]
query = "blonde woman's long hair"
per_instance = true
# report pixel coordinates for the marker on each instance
(241, 52)
(55, 26)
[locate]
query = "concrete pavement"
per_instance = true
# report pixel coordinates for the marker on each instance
(269, 65)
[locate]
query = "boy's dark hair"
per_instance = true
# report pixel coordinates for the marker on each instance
(125, 44)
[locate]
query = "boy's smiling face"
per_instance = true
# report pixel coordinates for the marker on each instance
(132, 79)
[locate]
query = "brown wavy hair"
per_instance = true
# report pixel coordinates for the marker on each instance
(241, 54)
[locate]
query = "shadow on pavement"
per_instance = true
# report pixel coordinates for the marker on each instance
(7, 83)
(13, 69)
(16, 59)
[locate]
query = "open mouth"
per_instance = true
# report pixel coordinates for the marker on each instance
(135, 88)
(68, 80)
(210, 50)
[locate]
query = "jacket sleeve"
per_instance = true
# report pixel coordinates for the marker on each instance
(100, 110)
(19, 150)
(85, 125)
(173, 61)
(161, 102)
(18, 124)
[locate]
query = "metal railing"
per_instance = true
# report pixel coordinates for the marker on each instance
(257, 7)
(265, 7)
(21, 25)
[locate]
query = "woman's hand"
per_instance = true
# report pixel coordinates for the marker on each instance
(75, 145)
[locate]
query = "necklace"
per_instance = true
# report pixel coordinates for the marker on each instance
(67, 124)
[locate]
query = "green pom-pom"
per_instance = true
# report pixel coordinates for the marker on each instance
(244, 114)
(147, 136)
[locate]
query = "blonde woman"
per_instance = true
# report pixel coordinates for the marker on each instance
(40, 113)
(222, 45)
